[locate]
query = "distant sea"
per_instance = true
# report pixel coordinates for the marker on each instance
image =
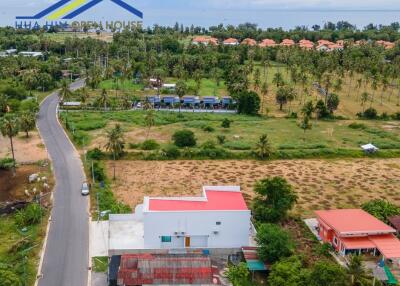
(286, 19)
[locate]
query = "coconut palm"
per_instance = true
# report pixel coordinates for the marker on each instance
(357, 271)
(115, 143)
(9, 127)
(263, 147)
(103, 99)
(27, 122)
(149, 120)
(65, 93)
(180, 91)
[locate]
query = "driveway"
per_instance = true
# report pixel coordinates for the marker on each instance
(65, 261)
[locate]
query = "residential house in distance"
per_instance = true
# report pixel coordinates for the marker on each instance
(306, 44)
(31, 54)
(231, 42)
(202, 40)
(267, 43)
(249, 42)
(385, 44)
(328, 46)
(356, 231)
(287, 43)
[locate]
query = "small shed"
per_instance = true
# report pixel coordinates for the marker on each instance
(395, 222)
(369, 148)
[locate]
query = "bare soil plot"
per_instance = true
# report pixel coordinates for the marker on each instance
(321, 184)
(13, 188)
(27, 150)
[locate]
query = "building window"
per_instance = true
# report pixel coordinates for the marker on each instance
(166, 239)
(218, 223)
(335, 241)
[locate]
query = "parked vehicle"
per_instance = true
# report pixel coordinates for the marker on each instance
(85, 190)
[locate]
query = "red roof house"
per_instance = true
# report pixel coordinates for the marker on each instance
(267, 43)
(306, 44)
(356, 231)
(287, 43)
(231, 42)
(204, 40)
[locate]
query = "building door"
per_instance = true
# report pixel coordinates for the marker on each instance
(187, 241)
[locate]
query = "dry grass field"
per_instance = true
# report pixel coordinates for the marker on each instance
(320, 184)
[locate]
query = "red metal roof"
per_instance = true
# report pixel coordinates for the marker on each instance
(138, 269)
(358, 242)
(388, 245)
(215, 201)
(353, 222)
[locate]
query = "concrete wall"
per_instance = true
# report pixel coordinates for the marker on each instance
(233, 232)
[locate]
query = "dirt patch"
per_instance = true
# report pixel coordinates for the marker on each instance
(13, 188)
(27, 150)
(320, 184)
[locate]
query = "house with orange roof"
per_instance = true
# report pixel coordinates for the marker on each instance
(267, 43)
(386, 45)
(249, 42)
(201, 40)
(354, 231)
(231, 42)
(306, 44)
(287, 43)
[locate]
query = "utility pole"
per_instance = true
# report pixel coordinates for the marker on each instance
(98, 207)
(93, 173)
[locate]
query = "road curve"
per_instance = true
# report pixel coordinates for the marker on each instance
(65, 261)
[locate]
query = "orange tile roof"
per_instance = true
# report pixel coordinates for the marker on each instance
(353, 222)
(306, 44)
(287, 42)
(249, 42)
(231, 41)
(205, 40)
(267, 43)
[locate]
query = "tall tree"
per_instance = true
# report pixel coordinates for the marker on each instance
(9, 128)
(27, 122)
(149, 120)
(115, 143)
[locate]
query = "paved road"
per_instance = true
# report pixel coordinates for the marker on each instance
(66, 256)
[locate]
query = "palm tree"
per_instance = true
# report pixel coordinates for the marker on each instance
(257, 79)
(27, 122)
(364, 99)
(65, 93)
(9, 128)
(180, 91)
(83, 95)
(263, 147)
(115, 143)
(149, 120)
(278, 80)
(357, 271)
(103, 99)
(264, 92)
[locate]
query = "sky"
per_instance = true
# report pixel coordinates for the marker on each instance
(266, 13)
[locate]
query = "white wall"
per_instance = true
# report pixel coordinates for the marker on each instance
(233, 232)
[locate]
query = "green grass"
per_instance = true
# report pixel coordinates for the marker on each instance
(15, 245)
(126, 85)
(326, 138)
(100, 264)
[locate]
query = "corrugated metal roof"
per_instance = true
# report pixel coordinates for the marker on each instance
(151, 269)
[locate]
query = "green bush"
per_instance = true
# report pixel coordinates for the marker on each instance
(237, 145)
(95, 154)
(208, 128)
(396, 116)
(98, 171)
(6, 163)
(369, 113)
(381, 209)
(226, 123)
(134, 146)
(150, 144)
(221, 139)
(184, 138)
(356, 125)
(171, 152)
(208, 145)
(32, 214)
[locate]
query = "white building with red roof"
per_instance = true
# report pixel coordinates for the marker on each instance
(356, 231)
(218, 219)
(267, 43)
(231, 42)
